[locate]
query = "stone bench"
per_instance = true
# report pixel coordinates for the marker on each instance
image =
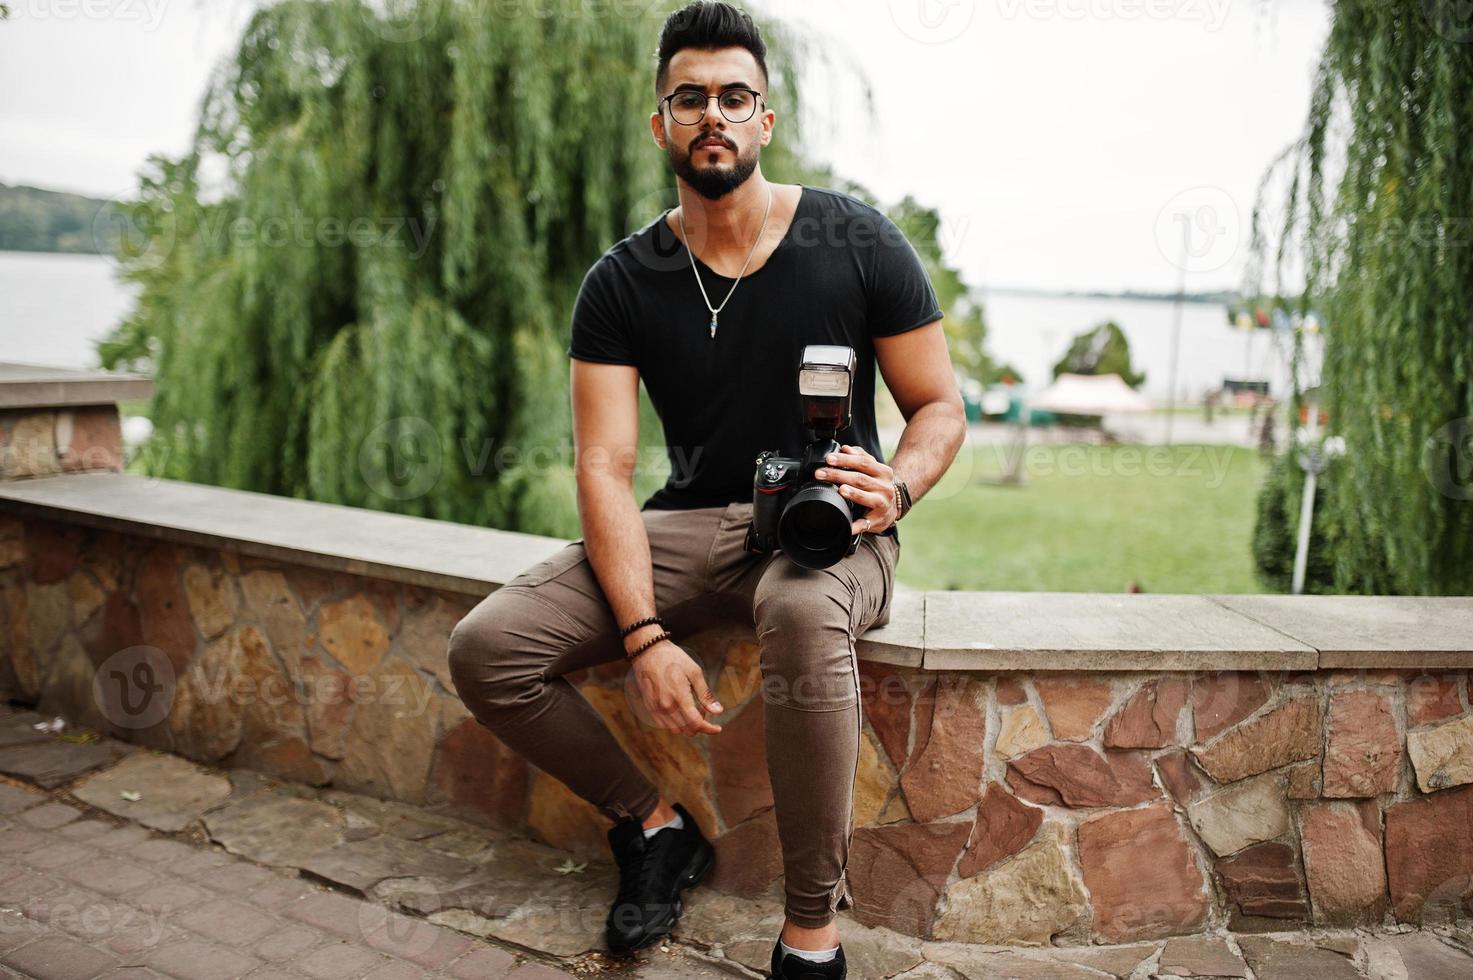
(1136, 766)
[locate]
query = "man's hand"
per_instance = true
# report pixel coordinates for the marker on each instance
(667, 678)
(866, 481)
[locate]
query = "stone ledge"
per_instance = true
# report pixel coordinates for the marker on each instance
(1025, 631)
(42, 386)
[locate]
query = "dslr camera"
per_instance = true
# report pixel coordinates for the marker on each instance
(808, 519)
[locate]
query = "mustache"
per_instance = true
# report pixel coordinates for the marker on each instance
(696, 143)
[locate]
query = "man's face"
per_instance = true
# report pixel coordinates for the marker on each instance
(731, 150)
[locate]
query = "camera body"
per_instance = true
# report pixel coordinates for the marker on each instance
(806, 518)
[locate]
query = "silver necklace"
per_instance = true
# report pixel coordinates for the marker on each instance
(716, 310)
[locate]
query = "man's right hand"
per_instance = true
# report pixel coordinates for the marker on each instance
(674, 689)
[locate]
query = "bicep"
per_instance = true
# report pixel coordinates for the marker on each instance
(916, 366)
(605, 419)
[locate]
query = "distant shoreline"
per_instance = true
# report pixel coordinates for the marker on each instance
(1223, 297)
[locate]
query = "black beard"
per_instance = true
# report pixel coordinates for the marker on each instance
(713, 182)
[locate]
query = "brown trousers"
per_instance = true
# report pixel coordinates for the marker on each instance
(508, 656)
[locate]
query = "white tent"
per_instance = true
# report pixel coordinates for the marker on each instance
(1089, 394)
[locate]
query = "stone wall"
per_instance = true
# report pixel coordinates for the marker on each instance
(1018, 807)
(64, 439)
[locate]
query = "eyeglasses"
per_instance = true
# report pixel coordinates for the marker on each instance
(689, 107)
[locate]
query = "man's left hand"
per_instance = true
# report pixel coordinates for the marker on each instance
(866, 481)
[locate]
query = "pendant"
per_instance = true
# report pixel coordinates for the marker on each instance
(713, 325)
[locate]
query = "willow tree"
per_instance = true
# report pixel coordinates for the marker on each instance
(1377, 214)
(355, 286)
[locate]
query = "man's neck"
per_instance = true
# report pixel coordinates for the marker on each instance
(729, 224)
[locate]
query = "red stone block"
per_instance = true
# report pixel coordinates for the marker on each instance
(1143, 880)
(1429, 855)
(1077, 775)
(945, 776)
(1362, 748)
(1220, 701)
(1342, 862)
(1148, 719)
(897, 873)
(1003, 828)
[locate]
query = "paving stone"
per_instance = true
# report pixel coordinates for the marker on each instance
(483, 962)
(536, 971)
(118, 839)
(173, 792)
(85, 829)
(290, 941)
(59, 854)
(224, 921)
(274, 828)
(195, 959)
(361, 864)
(48, 816)
(16, 798)
(1426, 957)
(396, 970)
(239, 877)
(337, 960)
(110, 876)
(17, 930)
(331, 912)
(1272, 959)
(53, 762)
(425, 943)
(58, 957)
(1201, 956)
(161, 850)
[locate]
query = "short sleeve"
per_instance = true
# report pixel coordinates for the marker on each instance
(600, 326)
(901, 296)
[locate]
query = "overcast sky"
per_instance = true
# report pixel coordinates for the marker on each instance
(1064, 142)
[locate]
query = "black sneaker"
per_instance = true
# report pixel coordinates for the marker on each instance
(786, 966)
(652, 873)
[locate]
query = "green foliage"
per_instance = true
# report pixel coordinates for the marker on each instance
(37, 220)
(1378, 208)
(373, 307)
(1276, 529)
(1102, 350)
(964, 323)
(356, 286)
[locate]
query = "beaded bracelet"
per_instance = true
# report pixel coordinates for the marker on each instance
(663, 635)
(643, 622)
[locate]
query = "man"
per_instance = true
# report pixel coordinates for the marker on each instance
(711, 305)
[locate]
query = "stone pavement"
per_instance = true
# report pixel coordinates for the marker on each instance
(121, 862)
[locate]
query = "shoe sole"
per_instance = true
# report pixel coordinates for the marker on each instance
(693, 874)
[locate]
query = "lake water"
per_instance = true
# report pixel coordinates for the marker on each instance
(54, 307)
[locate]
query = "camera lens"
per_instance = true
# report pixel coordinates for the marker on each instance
(815, 527)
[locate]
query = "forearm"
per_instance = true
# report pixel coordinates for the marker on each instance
(619, 551)
(928, 445)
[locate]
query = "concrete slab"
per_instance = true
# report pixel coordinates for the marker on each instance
(902, 640)
(416, 550)
(1369, 630)
(44, 386)
(1099, 631)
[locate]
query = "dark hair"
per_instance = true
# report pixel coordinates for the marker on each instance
(709, 24)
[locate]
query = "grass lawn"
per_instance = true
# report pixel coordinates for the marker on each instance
(1088, 519)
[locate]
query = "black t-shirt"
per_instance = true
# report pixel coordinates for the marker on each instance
(843, 274)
